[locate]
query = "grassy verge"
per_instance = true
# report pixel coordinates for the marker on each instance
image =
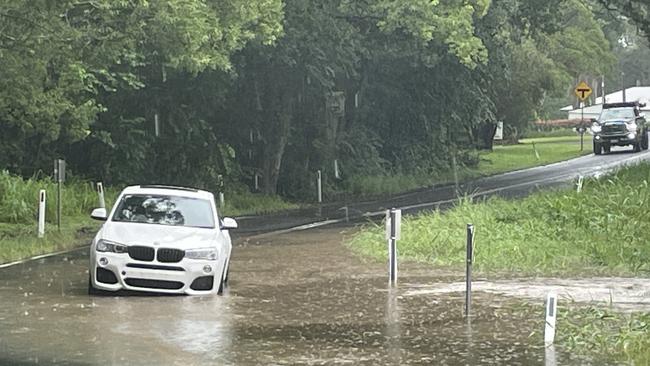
(19, 210)
(610, 335)
(18, 241)
(528, 153)
(254, 204)
(602, 230)
(555, 132)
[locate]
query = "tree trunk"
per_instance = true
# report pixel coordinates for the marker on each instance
(276, 138)
(485, 136)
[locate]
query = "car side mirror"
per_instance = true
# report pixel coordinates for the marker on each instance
(228, 224)
(99, 214)
(594, 120)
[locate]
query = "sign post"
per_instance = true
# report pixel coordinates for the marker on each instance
(582, 91)
(59, 176)
(468, 269)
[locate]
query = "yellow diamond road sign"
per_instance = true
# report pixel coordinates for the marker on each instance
(583, 91)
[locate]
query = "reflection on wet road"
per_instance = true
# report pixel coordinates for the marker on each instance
(299, 298)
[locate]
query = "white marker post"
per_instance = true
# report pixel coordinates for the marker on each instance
(551, 315)
(100, 193)
(319, 182)
(393, 234)
(221, 183)
(580, 182)
(156, 125)
(41, 213)
(469, 258)
(337, 172)
(257, 182)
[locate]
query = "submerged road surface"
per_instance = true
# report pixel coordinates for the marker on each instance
(298, 298)
(294, 298)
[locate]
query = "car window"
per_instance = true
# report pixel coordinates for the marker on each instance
(165, 210)
(617, 113)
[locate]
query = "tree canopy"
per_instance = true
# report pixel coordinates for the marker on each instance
(183, 91)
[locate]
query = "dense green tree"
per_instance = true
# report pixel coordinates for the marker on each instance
(281, 88)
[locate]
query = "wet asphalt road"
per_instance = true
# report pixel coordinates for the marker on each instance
(294, 298)
(514, 184)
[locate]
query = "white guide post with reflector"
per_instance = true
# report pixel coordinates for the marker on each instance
(580, 183)
(393, 234)
(100, 192)
(551, 315)
(319, 184)
(41, 213)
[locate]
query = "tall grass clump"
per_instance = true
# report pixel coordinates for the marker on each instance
(611, 335)
(19, 198)
(603, 229)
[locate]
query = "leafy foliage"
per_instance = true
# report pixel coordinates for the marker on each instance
(279, 89)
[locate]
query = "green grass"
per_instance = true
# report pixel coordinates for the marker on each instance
(556, 132)
(502, 159)
(244, 203)
(18, 241)
(610, 335)
(520, 156)
(602, 230)
(19, 211)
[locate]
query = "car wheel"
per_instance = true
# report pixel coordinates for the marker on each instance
(607, 149)
(598, 149)
(644, 141)
(637, 147)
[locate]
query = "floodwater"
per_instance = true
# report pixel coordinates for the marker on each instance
(295, 298)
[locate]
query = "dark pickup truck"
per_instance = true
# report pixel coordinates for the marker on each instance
(620, 124)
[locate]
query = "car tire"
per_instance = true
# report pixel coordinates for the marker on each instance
(644, 141)
(598, 148)
(607, 149)
(637, 147)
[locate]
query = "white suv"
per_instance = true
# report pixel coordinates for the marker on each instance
(161, 239)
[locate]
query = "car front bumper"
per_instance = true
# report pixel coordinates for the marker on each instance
(617, 139)
(114, 272)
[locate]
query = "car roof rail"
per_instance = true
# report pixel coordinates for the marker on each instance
(622, 105)
(163, 186)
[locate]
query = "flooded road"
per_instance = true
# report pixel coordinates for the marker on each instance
(295, 298)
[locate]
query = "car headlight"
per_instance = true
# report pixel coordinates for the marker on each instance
(631, 127)
(202, 253)
(596, 128)
(109, 246)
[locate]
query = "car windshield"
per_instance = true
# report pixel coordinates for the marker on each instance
(165, 210)
(617, 113)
